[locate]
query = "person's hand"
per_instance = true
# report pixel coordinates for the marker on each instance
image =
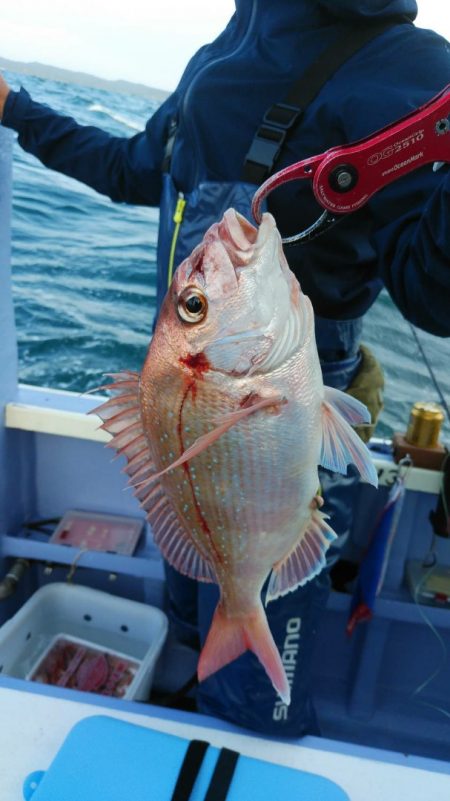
(4, 92)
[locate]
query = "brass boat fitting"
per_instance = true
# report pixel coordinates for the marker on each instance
(424, 425)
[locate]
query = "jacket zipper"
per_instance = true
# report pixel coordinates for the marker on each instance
(178, 219)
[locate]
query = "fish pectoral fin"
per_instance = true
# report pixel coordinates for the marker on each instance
(306, 559)
(350, 408)
(226, 422)
(341, 445)
(251, 405)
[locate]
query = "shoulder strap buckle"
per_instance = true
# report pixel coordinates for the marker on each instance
(282, 115)
(269, 139)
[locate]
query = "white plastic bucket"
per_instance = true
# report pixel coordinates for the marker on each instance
(114, 624)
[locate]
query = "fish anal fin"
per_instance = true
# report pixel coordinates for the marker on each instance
(342, 446)
(350, 408)
(306, 559)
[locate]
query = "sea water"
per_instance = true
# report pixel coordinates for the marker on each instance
(84, 274)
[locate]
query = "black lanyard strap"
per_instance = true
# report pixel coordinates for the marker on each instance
(189, 770)
(222, 776)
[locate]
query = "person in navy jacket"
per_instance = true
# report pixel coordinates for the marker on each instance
(399, 240)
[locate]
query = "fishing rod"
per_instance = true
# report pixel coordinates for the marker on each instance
(431, 372)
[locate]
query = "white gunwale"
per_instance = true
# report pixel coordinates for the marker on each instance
(65, 414)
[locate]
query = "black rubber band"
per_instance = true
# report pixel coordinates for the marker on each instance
(189, 770)
(222, 776)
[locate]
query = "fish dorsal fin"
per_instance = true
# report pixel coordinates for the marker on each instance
(306, 559)
(341, 445)
(121, 416)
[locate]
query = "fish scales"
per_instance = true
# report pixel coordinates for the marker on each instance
(243, 476)
(226, 425)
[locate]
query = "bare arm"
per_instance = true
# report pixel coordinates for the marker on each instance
(4, 92)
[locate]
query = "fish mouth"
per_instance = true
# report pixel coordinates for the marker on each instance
(238, 236)
(238, 230)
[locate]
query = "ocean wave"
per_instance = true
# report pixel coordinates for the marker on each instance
(129, 123)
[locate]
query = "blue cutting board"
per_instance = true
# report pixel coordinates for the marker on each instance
(105, 759)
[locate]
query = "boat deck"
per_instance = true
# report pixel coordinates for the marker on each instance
(38, 720)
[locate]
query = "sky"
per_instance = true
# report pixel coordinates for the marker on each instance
(145, 41)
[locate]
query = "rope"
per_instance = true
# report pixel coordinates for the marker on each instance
(75, 562)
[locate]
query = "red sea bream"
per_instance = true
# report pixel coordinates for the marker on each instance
(224, 429)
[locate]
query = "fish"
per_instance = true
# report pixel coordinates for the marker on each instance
(223, 431)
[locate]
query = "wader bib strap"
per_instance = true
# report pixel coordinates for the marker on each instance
(282, 118)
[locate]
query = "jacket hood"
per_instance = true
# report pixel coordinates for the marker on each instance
(370, 9)
(279, 16)
(309, 14)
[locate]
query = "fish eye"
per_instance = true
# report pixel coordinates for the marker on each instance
(192, 305)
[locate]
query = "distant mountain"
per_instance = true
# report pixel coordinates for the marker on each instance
(82, 78)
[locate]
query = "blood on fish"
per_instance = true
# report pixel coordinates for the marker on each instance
(197, 266)
(249, 399)
(253, 398)
(197, 362)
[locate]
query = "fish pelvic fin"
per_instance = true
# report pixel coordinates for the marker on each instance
(305, 561)
(229, 637)
(341, 445)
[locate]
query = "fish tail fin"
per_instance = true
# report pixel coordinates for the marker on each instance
(229, 637)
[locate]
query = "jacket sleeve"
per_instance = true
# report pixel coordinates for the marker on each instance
(414, 249)
(125, 169)
(410, 217)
